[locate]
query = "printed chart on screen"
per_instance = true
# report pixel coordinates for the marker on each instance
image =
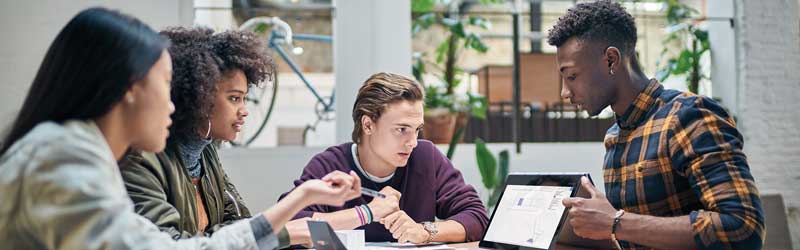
(528, 215)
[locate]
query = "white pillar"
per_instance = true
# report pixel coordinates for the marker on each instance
(368, 37)
(722, 38)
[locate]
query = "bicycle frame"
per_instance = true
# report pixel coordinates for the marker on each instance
(274, 43)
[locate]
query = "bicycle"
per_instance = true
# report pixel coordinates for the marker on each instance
(261, 101)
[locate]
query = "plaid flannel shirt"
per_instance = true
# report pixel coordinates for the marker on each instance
(673, 154)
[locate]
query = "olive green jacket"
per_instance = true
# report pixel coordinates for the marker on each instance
(162, 191)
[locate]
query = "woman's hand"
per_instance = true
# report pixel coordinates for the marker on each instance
(333, 189)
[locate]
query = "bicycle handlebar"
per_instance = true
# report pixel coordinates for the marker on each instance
(277, 22)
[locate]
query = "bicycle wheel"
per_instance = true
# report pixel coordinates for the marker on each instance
(260, 103)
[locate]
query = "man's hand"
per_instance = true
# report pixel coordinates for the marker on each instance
(381, 207)
(298, 232)
(590, 218)
(405, 229)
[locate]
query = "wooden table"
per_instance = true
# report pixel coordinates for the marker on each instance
(474, 245)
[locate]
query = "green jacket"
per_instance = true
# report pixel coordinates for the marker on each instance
(162, 191)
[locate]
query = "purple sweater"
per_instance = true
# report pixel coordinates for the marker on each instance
(431, 188)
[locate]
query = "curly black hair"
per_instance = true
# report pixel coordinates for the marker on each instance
(200, 59)
(602, 21)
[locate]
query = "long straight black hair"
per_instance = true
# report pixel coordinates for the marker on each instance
(89, 67)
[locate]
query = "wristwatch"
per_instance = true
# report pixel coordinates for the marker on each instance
(432, 230)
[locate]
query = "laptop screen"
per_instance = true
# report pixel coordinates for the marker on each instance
(528, 216)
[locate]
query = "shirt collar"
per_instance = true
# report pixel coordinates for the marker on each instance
(640, 106)
(354, 152)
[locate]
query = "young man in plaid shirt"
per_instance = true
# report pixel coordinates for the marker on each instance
(674, 170)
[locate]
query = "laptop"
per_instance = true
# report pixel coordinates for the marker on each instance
(530, 215)
(323, 237)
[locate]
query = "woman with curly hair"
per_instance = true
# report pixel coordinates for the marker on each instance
(184, 189)
(103, 88)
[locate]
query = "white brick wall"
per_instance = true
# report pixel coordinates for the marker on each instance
(768, 53)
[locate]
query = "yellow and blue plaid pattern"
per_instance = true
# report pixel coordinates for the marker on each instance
(674, 154)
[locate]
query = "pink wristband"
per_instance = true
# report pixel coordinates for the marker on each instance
(360, 215)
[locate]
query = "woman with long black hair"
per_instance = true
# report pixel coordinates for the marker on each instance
(104, 88)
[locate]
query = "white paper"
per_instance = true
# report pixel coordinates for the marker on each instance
(351, 239)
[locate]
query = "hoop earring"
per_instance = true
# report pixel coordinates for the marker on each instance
(611, 71)
(208, 133)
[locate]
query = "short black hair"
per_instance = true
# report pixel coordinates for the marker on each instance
(200, 59)
(602, 21)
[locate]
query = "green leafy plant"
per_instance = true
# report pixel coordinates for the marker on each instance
(685, 44)
(444, 63)
(451, 148)
(493, 170)
(445, 58)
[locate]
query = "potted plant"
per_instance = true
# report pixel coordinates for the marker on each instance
(447, 111)
(686, 43)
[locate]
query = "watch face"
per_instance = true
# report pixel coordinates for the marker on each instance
(430, 227)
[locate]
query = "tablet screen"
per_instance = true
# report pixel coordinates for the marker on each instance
(528, 216)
